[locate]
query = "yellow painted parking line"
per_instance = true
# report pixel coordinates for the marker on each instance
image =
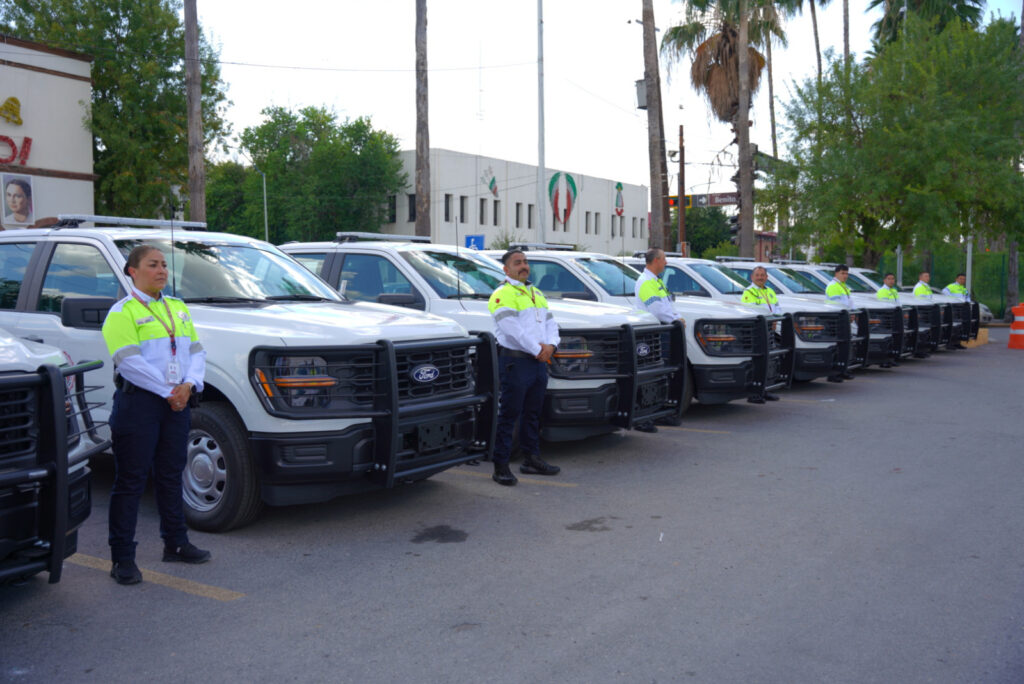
(170, 581)
(528, 480)
(710, 432)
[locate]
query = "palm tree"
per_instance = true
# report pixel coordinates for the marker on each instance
(422, 124)
(718, 37)
(888, 28)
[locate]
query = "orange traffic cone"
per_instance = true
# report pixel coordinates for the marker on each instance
(1017, 328)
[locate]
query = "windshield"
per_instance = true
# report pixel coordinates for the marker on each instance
(722, 278)
(617, 279)
(871, 279)
(453, 275)
(205, 270)
(796, 282)
(852, 282)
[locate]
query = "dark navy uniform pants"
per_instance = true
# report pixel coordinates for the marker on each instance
(147, 435)
(523, 383)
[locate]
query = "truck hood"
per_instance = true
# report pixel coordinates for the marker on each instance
(702, 307)
(308, 323)
(570, 314)
(790, 303)
(17, 354)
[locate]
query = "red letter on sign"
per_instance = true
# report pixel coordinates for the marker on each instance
(26, 147)
(4, 140)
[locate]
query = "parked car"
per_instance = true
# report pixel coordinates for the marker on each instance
(308, 395)
(47, 437)
(732, 351)
(615, 367)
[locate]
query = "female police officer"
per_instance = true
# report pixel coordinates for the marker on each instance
(158, 364)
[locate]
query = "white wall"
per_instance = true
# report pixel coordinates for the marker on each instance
(52, 109)
(465, 175)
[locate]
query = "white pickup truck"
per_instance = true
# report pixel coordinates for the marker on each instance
(308, 395)
(615, 367)
(47, 437)
(732, 351)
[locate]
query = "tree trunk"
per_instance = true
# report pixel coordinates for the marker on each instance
(194, 104)
(655, 143)
(817, 43)
(422, 125)
(1013, 274)
(746, 206)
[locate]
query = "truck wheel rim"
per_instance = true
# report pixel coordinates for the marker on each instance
(205, 474)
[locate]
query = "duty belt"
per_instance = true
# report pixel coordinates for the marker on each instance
(515, 353)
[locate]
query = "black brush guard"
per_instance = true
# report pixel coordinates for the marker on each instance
(645, 394)
(52, 422)
(774, 352)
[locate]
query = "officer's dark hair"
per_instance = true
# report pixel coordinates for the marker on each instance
(961, 275)
(136, 256)
(508, 255)
(840, 268)
(921, 274)
(887, 275)
(652, 254)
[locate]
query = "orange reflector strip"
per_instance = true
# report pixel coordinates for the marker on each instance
(294, 381)
(720, 338)
(812, 328)
(263, 383)
(573, 355)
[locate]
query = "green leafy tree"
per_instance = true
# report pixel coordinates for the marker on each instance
(137, 117)
(916, 148)
(323, 176)
(888, 28)
(706, 227)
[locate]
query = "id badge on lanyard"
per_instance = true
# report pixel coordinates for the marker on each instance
(174, 371)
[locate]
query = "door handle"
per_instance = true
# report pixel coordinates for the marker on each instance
(32, 338)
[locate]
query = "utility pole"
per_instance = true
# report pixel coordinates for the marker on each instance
(655, 130)
(541, 173)
(746, 175)
(194, 103)
(681, 202)
(422, 125)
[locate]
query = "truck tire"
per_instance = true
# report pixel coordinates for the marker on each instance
(220, 487)
(688, 389)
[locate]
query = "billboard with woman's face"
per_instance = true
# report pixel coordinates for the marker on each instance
(17, 199)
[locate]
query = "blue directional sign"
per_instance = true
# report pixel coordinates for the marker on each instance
(475, 241)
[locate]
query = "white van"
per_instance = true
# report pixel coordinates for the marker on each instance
(616, 367)
(308, 395)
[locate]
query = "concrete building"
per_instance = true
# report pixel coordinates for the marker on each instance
(479, 200)
(45, 146)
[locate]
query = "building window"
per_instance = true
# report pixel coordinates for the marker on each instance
(529, 216)
(641, 227)
(519, 214)
(634, 226)
(447, 208)
(412, 208)
(497, 213)
(463, 208)
(483, 211)
(597, 223)
(586, 223)
(392, 208)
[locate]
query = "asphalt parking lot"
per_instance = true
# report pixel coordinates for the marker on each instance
(863, 532)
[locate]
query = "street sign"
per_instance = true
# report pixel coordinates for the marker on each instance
(721, 199)
(475, 241)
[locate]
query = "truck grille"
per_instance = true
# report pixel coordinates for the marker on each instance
(19, 427)
(417, 378)
(651, 350)
(882, 321)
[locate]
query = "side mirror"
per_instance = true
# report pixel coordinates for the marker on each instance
(405, 299)
(85, 312)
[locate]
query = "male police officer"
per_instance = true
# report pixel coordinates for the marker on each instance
(761, 294)
(923, 290)
(838, 292)
(958, 288)
(654, 297)
(888, 292)
(527, 337)
(158, 363)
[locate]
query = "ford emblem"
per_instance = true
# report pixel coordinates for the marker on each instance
(643, 349)
(425, 373)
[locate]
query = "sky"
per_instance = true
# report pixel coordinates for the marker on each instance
(358, 59)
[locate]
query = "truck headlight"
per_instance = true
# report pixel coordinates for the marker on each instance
(721, 339)
(809, 327)
(298, 381)
(573, 355)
